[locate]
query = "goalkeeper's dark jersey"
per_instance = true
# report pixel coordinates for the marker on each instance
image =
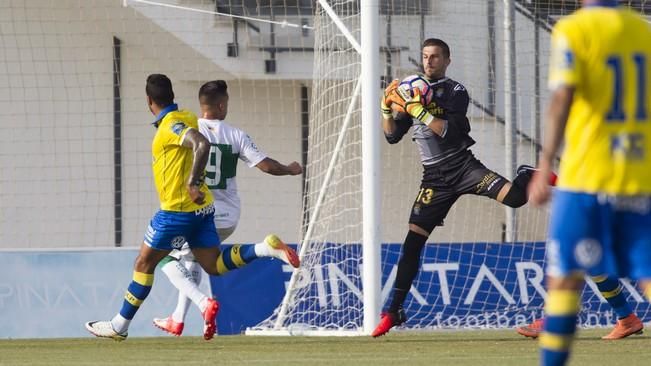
(450, 102)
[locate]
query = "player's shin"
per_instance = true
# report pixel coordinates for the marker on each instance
(611, 290)
(561, 311)
(182, 280)
(235, 257)
(136, 293)
(407, 269)
(183, 303)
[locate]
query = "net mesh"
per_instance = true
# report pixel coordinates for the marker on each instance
(469, 276)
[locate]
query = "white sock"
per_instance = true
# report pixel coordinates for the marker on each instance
(182, 280)
(120, 324)
(262, 249)
(183, 303)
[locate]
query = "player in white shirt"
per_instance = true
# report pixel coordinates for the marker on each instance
(228, 145)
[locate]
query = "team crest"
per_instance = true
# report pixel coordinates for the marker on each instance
(588, 253)
(178, 127)
(178, 241)
(439, 92)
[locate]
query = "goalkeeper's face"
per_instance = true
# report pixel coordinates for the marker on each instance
(435, 62)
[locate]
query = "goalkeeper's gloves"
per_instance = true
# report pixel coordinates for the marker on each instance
(414, 105)
(387, 99)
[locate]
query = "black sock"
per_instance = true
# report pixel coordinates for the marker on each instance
(407, 268)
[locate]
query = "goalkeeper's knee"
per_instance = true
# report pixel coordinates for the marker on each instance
(515, 197)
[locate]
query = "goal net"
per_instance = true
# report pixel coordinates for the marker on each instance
(484, 267)
(76, 132)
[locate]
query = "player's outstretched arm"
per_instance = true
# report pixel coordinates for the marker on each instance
(273, 167)
(200, 146)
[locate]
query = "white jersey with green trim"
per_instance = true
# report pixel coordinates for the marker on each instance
(227, 145)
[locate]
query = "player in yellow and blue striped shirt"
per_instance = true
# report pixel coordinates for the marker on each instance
(599, 77)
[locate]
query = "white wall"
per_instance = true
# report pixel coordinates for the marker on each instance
(56, 107)
(56, 113)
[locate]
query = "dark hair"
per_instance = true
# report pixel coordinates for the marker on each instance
(212, 91)
(159, 89)
(437, 42)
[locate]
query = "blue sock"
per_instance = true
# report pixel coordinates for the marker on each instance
(561, 311)
(611, 289)
(235, 257)
(136, 293)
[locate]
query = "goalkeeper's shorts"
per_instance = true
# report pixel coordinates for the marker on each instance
(444, 183)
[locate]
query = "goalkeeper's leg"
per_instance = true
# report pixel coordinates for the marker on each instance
(433, 201)
(407, 271)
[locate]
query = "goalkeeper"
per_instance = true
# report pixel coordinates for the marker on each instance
(228, 145)
(441, 133)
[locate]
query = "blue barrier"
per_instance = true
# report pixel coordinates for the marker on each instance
(52, 293)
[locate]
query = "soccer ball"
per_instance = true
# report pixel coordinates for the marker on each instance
(417, 81)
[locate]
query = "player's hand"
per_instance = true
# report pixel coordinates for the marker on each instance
(295, 168)
(196, 195)
(414, 106)
(397, 99)
(387, 100)
(539, 189)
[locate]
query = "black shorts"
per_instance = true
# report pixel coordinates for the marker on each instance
(444, 183)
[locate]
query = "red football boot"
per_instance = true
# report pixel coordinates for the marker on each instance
(532, 330)
(626, 327)
(169, 325)
(387, 321)
(209, 319)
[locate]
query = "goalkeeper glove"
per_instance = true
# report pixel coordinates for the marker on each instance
(387, 100)
(414, 105)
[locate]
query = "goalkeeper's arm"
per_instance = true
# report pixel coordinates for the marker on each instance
(415, 108)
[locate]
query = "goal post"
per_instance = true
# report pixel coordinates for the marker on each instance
(371, 194)
(365, 91)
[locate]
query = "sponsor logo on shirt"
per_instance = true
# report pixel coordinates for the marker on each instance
(206, 210)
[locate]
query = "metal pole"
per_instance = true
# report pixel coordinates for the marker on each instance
(510, 109)
(490, 19)
(537, 136)
(117, 143)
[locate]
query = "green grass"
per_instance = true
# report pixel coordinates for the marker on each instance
(463, 348)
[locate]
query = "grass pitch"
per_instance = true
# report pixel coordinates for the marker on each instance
(458, 348)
